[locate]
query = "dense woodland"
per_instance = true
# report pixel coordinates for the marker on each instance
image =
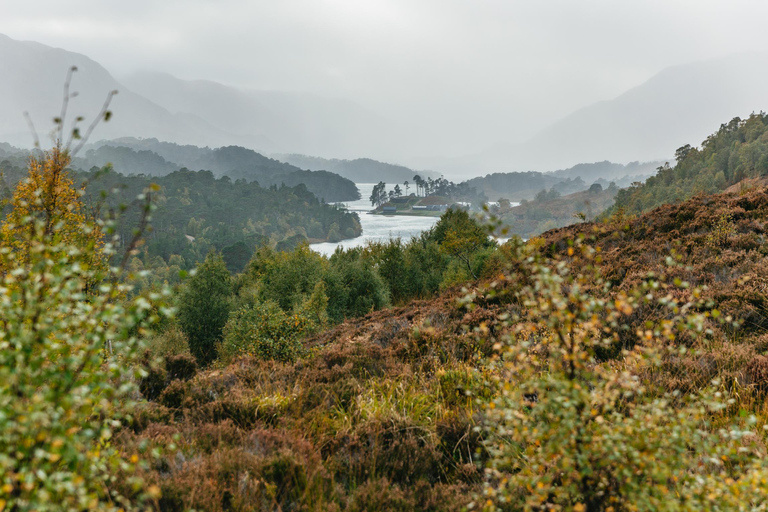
(738, 150)
(196, 213)
(516, 186)
(154, 158)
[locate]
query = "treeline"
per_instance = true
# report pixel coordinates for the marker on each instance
(292, 293)
(525, 185)
(197, 212)
(152, 157)
(550, 210)
(440, 188)
(738, 150)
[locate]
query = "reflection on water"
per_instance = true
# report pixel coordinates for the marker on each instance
(377, 227)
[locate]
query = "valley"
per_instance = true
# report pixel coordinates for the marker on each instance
(371, 257)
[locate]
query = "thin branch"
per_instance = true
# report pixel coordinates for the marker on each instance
(64, 104)
(104, 114)
(32, 129)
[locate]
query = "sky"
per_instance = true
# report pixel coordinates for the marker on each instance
(470, 71)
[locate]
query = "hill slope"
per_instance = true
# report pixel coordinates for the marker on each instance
(22, 89)
(286, 121)
(379, 415)
(150, 156)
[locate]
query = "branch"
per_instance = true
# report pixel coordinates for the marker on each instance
(104, 114)
(64, 105)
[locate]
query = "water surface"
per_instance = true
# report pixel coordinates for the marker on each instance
(377, 227)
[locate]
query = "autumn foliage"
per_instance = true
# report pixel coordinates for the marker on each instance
(68, 345)
(48, 200)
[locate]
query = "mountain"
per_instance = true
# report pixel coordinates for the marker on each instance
(678, 105)
(360, 170)
(158, 105)
(288, 121)
(33, 77)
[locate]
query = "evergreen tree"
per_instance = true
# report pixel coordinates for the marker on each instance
(204, 307)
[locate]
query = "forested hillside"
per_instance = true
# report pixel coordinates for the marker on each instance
(738, 150)
(197, 212)
(549, 210)
(152, 157)
(517, 186)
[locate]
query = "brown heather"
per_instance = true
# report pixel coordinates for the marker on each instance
(380, 414)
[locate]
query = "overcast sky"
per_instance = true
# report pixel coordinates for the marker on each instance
(477, 69)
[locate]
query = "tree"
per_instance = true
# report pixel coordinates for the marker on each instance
(68, 351)
(379, 194)
(48, 195)
(398, 192)
(354, 287)
(458, 235)
(407, 185)
(419, 183)
(236, 256)
(204, 306)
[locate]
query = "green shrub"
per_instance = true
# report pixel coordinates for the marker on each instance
(265, 331)
(355, 287)
(170, 342)
(721, 232)
(204, 307)
(68, 348)
(567, 432)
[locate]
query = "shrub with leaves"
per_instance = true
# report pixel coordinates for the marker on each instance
(264, 331)
(204, 306)
(718, 237)
(569, 432)
(68, 339)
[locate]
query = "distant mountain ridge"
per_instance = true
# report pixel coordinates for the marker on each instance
(360, 170)
(152, 157)
(22, 89)
(525, 185)
(158, 105)
(677, 106)
(285, 121)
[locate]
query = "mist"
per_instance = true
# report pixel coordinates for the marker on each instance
(460, 87)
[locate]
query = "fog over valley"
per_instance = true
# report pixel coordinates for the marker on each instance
(442, 86)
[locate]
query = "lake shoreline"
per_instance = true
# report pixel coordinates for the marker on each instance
(379, 227)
